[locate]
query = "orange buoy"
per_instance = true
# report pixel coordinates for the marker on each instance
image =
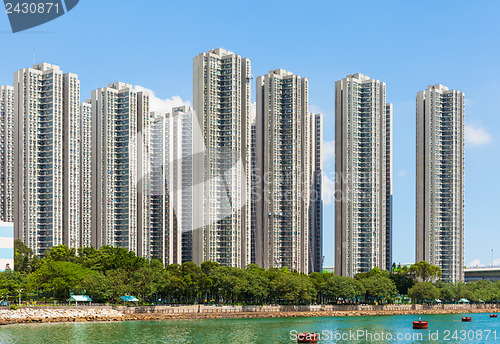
(307, 338)
(420, 325)
(466, 319)
(493, 315)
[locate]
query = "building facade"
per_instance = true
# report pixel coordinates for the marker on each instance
(182, 165)
(118, 111)
(221, 97)
(283, 164)
(7, 153)
(170, 192)
(6, 246)
(254, 195)
(388, 185)
(361, 173)
(86, 173)
(46, 157)
(316, 215)
(440, 180)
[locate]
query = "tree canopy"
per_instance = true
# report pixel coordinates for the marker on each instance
(107, 273)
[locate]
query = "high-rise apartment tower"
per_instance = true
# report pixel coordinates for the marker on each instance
(362, 137)
(440, 180)
(222, 175)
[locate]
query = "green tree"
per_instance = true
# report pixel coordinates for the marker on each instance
(319, 281)
(61, 253)
(10, 284)
(402, 279)
(25, 261)
(446, 291)
(425, 272)
(97, 286)
(461, 290)
(58, 278)
(208, 267)
(424, 291)
(293, 288)
(379, 288)
(342, 287)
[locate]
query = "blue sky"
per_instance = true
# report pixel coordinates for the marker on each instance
(407, 44)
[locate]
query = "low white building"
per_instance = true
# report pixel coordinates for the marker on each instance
(6, 245)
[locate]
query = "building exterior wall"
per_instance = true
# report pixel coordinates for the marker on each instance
(254, 195)
(388, 182)
(117, 112)
(71, 161)
(7, 153)
(6, 246)
(283, 164)
(361, 192)
(46, 132)
(440, 180)
(182, 118)
(221, 97)
(86, 174)
(316, 217)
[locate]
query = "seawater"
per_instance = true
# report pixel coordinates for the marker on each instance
(447, 328)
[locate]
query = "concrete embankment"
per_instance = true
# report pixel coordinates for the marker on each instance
(119, 313)
(59, 314)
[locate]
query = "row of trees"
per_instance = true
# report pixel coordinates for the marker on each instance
(111, 272)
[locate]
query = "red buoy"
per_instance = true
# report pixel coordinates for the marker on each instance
(420, 325)
(307, 338)
(493, 315)
(467, 319)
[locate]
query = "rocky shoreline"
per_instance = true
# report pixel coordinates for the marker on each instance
(42, 315)
(47, 315)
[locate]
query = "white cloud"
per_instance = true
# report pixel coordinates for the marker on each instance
(6, 242)
(328, 190)
(162, 105)
(328, 150)
(476, 135)
(402, 173)
(474, 263)
(314, 109)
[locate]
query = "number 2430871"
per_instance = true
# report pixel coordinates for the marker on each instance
(32, 8)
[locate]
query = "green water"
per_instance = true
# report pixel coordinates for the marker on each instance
(268, 330)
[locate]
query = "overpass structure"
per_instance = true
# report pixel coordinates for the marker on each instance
(482, 273)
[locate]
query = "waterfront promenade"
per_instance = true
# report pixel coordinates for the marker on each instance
(120, 313)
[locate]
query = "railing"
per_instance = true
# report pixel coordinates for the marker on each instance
(186, 309)
(483, 267)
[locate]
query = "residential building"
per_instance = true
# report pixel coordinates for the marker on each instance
(361, 185)
(388, 185)
(46, 158)
(120, 210)
(440, 180)
(7, 153)
(7, 246)
(171, 185)
(316, 215)
(283, 164)
(86, 173)
(254, 195)
(182, 165)
(222, 175)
